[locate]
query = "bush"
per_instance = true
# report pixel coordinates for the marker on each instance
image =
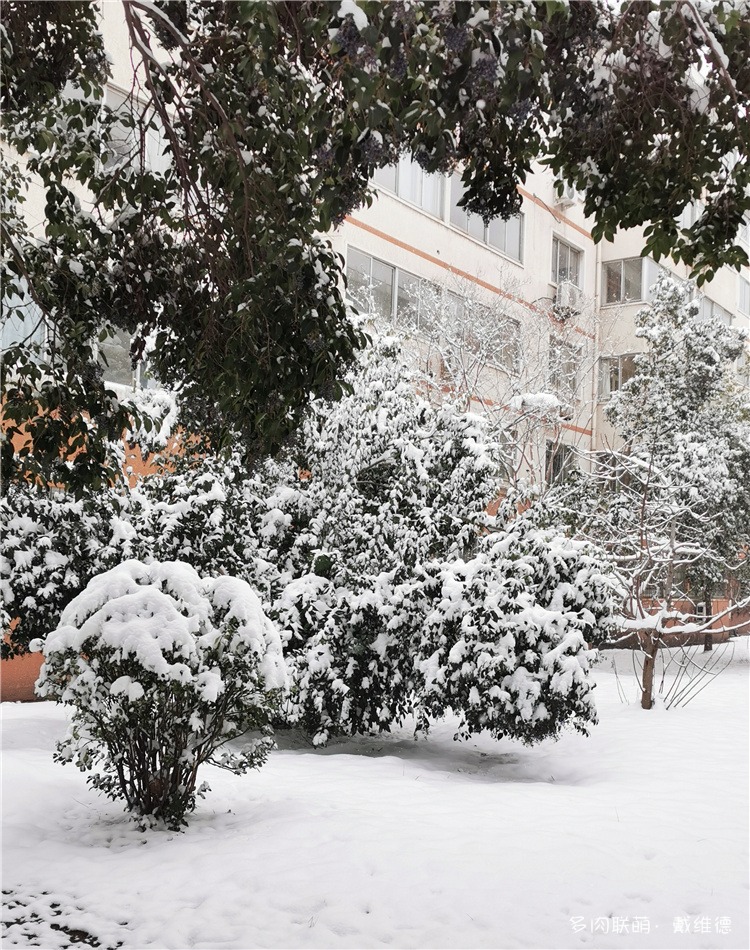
(163, 669)
(51, 545)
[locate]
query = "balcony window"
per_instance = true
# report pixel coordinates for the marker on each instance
(566, 263)
(505, 236)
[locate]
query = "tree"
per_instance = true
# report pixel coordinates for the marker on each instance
(272, 117)
(671, 501)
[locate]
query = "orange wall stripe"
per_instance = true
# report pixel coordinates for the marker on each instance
(458, 272)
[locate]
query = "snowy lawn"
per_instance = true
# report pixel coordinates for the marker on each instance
(634, 837)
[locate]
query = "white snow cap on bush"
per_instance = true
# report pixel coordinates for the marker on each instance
(164, 616)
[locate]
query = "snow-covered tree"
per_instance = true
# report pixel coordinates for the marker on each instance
(671, 501)
(270, 119)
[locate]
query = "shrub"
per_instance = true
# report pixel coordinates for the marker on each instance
(51, 545)
(163, 669)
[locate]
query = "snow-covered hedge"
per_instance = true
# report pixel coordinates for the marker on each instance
(368, 544)
(502, 639)
(163, 668)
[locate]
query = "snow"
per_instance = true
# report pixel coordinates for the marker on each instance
(388, 842)
(357, 13)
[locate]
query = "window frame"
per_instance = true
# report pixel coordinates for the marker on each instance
(555, 279)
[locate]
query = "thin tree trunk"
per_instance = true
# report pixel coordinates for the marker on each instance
(649, 665)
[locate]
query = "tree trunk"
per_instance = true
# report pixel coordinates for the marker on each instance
(647, 685)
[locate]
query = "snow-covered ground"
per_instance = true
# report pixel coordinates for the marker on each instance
(634, 837)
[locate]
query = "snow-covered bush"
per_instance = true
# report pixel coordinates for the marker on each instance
(163, 669)
(51, 545)
(392, 576)
(507, 636)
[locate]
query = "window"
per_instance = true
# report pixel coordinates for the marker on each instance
(412, 183)
(559, 462)
(622, 280)
(122, 143)
(744, 295)
(710, 309)
(509, 353)
(566, 263)
(614, 372)
(691, 213)
(117, 367)
(396, 295)
(371, 283)
(743, 236)
(564, 360)
(629, 280)
(21, 321)
(506, 236)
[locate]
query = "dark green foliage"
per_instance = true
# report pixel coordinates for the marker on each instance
(272, 117)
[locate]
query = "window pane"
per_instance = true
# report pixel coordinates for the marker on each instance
(574, 267)
(458, 215)
(409, 180)
(510, 351)
(627, 368)
(497, 233)
(555, 258)
(386, 178)
(744, 295)
(612, 282)
(476, 227)
(607, 380)
(432, 194)
(115, 359)
(382, 288)
(408, 299)
(358, 277)
(631, 278)
(514, 230)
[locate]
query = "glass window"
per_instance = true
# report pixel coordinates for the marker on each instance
(710, 309)
(506, 236)
(21, 322)
(370, 283)
(410, 182)
(114, 358)
(509, 356)
(622, 281)
(614, 372)
(566, 263)
(559, 462)
(379, 289)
